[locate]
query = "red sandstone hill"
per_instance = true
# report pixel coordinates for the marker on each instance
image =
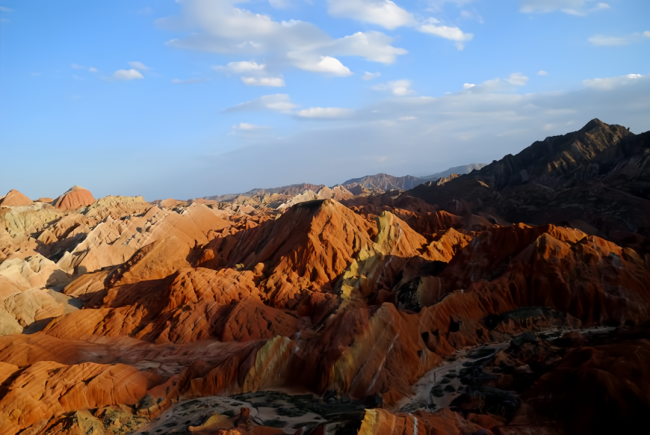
(14, 198)
(74, 198)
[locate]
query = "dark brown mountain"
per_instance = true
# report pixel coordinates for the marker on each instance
(596, 179)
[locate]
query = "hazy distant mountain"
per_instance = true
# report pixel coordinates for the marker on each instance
(460, 170)
(369, 183)
(384, 182)
(292, 189)
(388, 182)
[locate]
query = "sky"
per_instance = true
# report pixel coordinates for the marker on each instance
(191, 98)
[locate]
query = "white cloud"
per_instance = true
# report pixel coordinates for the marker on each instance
(646, 33)
(324, 112)
(226, 29)
(243, 67)
(251, 68)
(249, 127)
(610, 83)
(509, 84)
(397, 87)
(4, 9)
(373, 46)
(139, 66)
(263, 81)
(188, 81)
(571, 7)
(608, 40)
(92, 69)
(451, 33)
(633, 38)
(369, 76)
(542, 73)
(124, 74)
(407, 118)
(384, 13)
(277, 102)
(328, 65)
(517, 79)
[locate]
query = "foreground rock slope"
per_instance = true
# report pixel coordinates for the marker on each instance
(435, 310)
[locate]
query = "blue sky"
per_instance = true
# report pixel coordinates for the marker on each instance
(192, 98)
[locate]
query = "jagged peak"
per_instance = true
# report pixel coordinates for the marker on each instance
(594, 123)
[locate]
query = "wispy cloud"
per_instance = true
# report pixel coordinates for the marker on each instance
(324, 113)
(397, 87)
(610, 83)
(605, 41)
(263, 81)
(139, 66)
(384, 13)
(275, 102)
(452, 33)
(243, 67)
(77, 66)
(125, 75)
(256, 74)
(571, 7)
(471, 15)
(370, 76)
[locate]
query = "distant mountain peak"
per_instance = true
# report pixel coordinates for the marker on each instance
(594, 123)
